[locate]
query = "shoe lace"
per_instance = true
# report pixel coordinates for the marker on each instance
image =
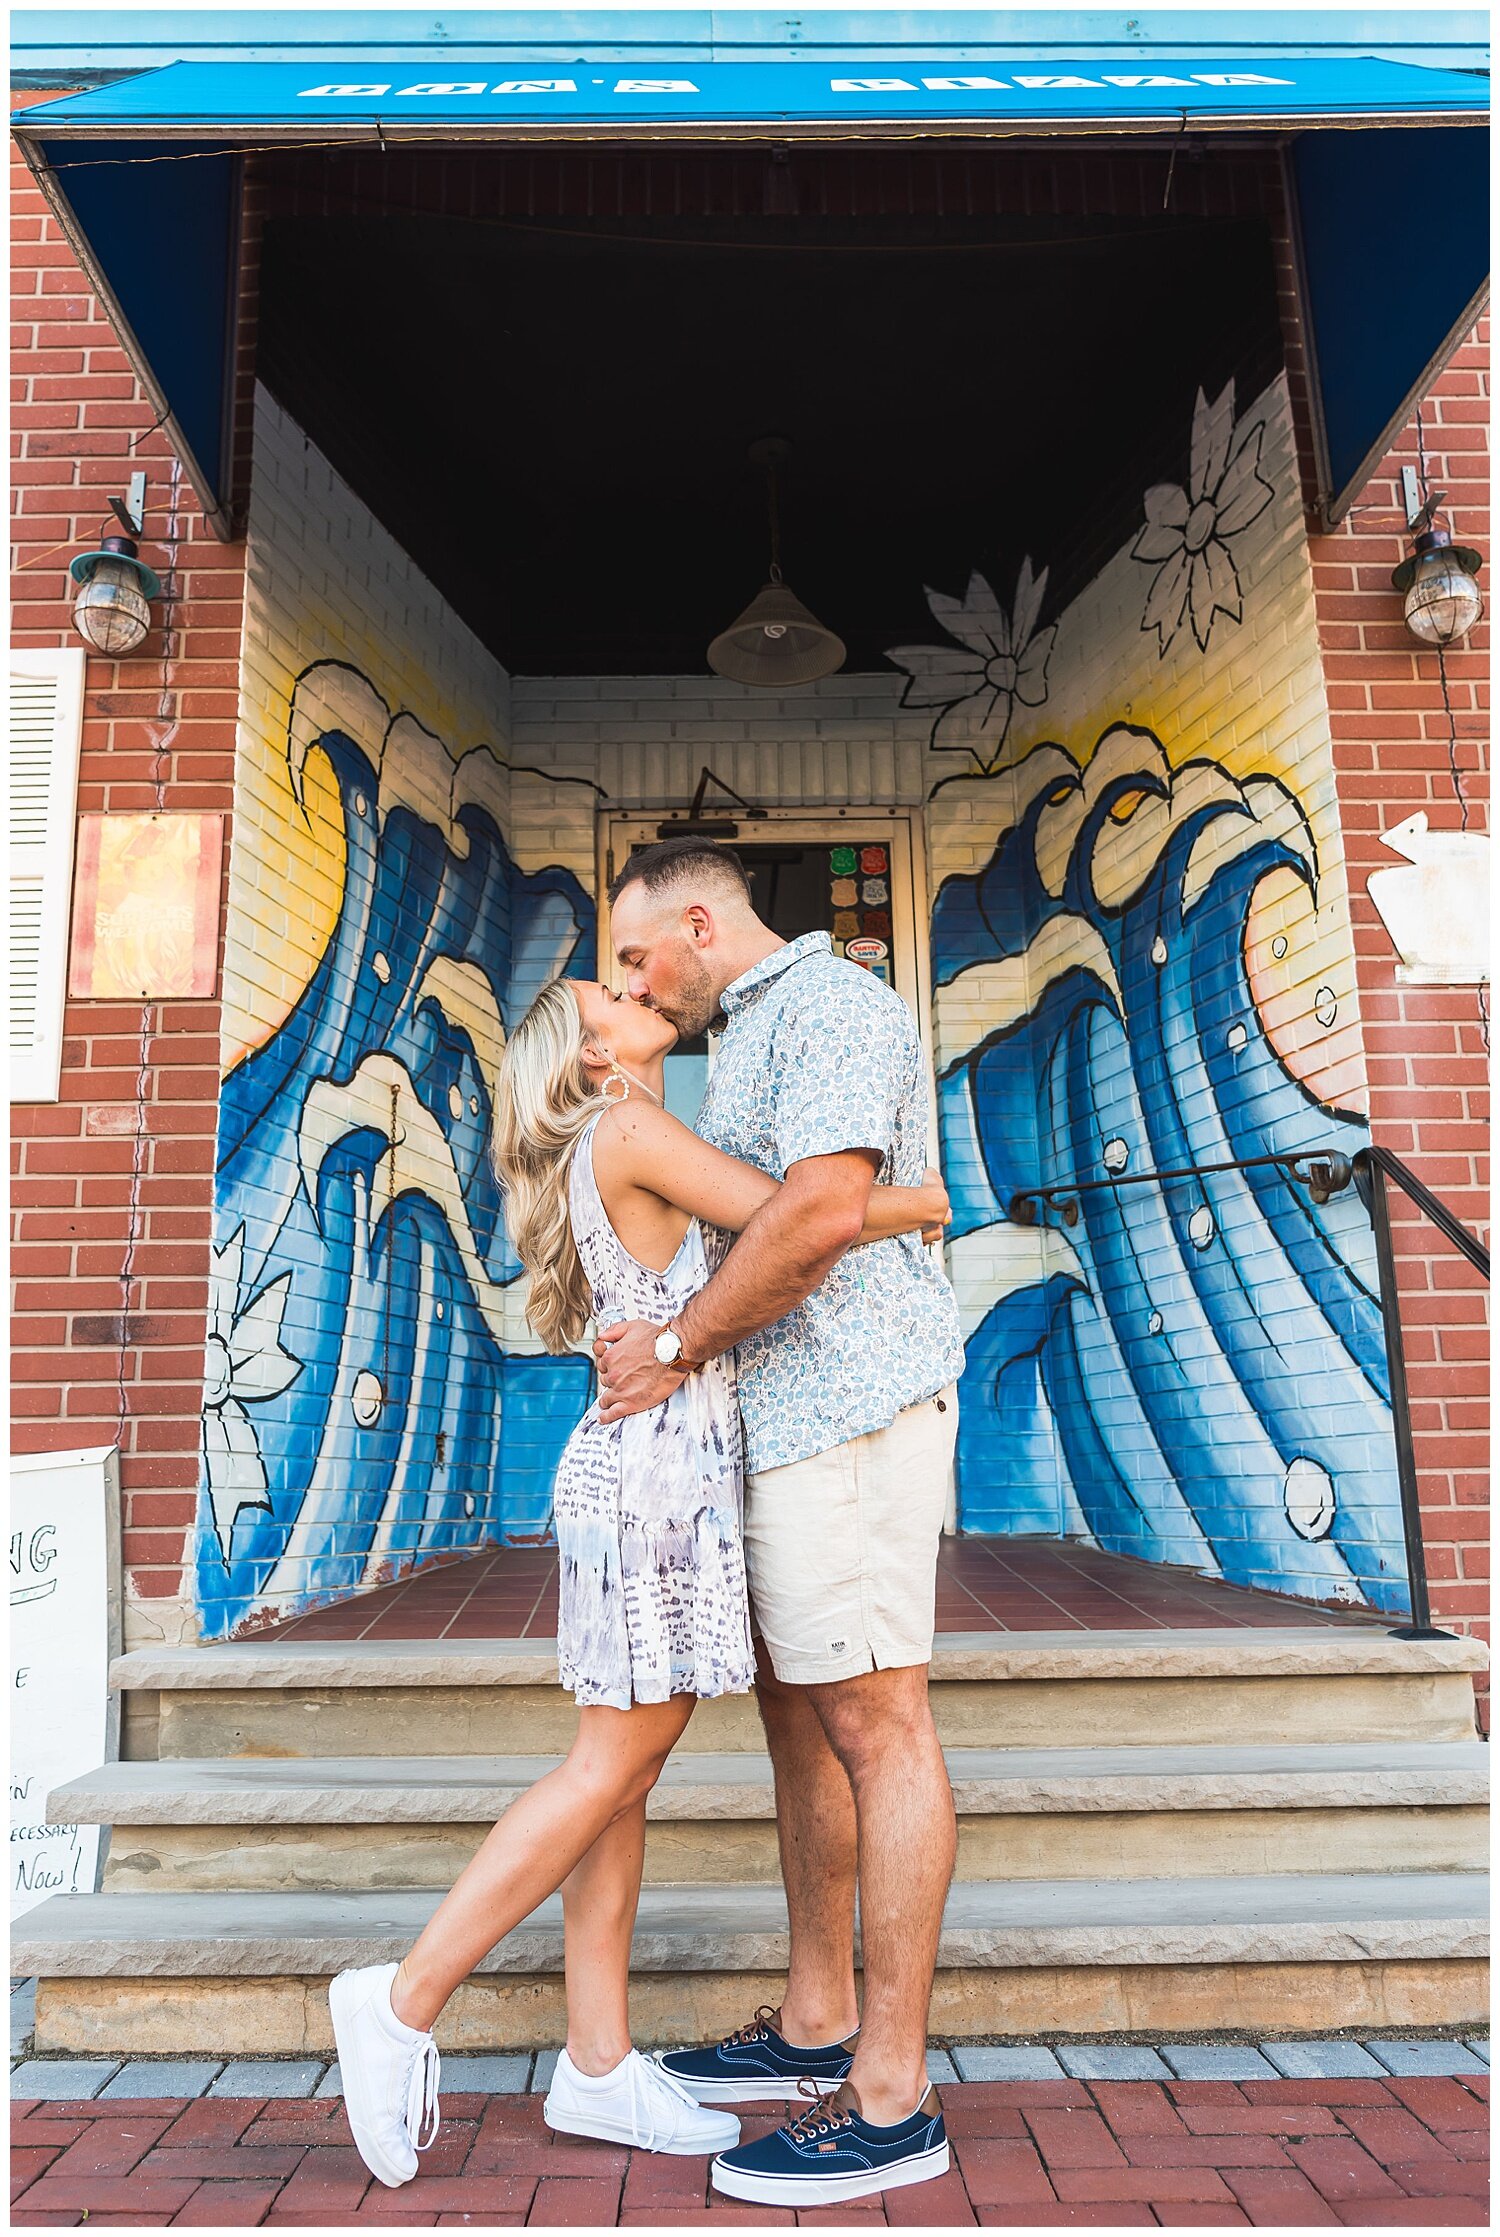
(422, 2116)
(641, 2101)
(753, 2031)
(649, 2085)
(819, 2118)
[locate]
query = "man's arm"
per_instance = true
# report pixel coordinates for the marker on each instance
(785, 1251)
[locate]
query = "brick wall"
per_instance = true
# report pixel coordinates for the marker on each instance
(112, 1188)
(1428, 1047)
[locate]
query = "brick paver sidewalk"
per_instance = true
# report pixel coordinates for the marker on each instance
(1362, 2153)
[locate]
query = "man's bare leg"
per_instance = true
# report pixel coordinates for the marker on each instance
(880, 1727)
(815, 1828)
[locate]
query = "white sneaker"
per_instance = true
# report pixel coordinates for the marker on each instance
(636, 2104)
(389, 2072)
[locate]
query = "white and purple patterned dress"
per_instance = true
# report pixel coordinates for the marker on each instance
(652, 1596)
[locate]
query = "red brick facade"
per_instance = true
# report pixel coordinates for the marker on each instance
(112, 1194)
(1427, 1047)
(112, 1187)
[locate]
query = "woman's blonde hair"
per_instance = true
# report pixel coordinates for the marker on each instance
(547, 1098)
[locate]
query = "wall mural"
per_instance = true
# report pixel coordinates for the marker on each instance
(1194, 1372)
(1190, 533)
(1141, 959)
(373, 1394)
(998, 663)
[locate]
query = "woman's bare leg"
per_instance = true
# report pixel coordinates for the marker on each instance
(600, 1896)
(612, 1764)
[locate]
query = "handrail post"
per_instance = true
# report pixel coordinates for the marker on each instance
(1421, 1625)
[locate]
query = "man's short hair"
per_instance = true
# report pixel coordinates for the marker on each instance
(678, 862)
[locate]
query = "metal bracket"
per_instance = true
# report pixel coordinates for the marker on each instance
(130, 510)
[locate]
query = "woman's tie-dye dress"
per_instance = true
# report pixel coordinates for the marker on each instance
(647, 1510)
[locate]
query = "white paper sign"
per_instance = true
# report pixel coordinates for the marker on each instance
(64, 1628)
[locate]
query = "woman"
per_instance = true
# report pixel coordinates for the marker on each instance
(605, 1193)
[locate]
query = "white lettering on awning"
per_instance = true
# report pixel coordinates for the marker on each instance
(460, 90)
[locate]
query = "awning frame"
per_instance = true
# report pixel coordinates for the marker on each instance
(271, 139)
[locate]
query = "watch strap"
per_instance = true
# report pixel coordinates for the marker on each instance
(688, 1365)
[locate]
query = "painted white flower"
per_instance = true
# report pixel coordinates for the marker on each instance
(1188, 531)
(243, 1362)
(995, 665)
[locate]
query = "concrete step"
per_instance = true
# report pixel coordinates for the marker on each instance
(188, 1971)
(1043, 1813)
(1271, 1686)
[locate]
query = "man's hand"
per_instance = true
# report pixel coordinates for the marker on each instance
(631, 1378)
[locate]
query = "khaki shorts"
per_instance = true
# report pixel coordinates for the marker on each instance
(841, 1549)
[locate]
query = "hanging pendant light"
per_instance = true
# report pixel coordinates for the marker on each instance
(776, 641)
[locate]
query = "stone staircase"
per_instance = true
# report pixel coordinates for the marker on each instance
(1249, 1829)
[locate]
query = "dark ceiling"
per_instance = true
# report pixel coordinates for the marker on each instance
(553, 419)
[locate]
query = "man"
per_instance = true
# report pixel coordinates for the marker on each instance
(847, 1367)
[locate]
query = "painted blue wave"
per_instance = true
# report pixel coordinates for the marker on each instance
(1205, 1384)
(463, 1445)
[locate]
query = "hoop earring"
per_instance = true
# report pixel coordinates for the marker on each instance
(615, 1078)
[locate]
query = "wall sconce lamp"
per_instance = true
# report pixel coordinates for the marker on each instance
(1443, 601)
(112, 608)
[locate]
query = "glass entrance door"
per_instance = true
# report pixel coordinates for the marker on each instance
(849, 876)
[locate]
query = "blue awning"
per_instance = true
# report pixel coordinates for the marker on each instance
(1389, 288)
(189, 96)
(1388, 171)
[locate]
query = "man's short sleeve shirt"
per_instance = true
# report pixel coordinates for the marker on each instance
(818, 1056)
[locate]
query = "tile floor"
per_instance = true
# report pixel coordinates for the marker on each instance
(984, 1584)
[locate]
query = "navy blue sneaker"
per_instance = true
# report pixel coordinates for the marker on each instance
(757, 2061)
(831, 2153)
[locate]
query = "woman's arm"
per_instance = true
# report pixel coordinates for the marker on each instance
(896, 1211)
(644, 1147)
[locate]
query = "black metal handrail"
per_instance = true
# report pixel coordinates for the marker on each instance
(1326, 1173)
(1372, 1159)
(1371, 1166)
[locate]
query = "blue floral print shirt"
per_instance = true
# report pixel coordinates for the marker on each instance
(818, 1056)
